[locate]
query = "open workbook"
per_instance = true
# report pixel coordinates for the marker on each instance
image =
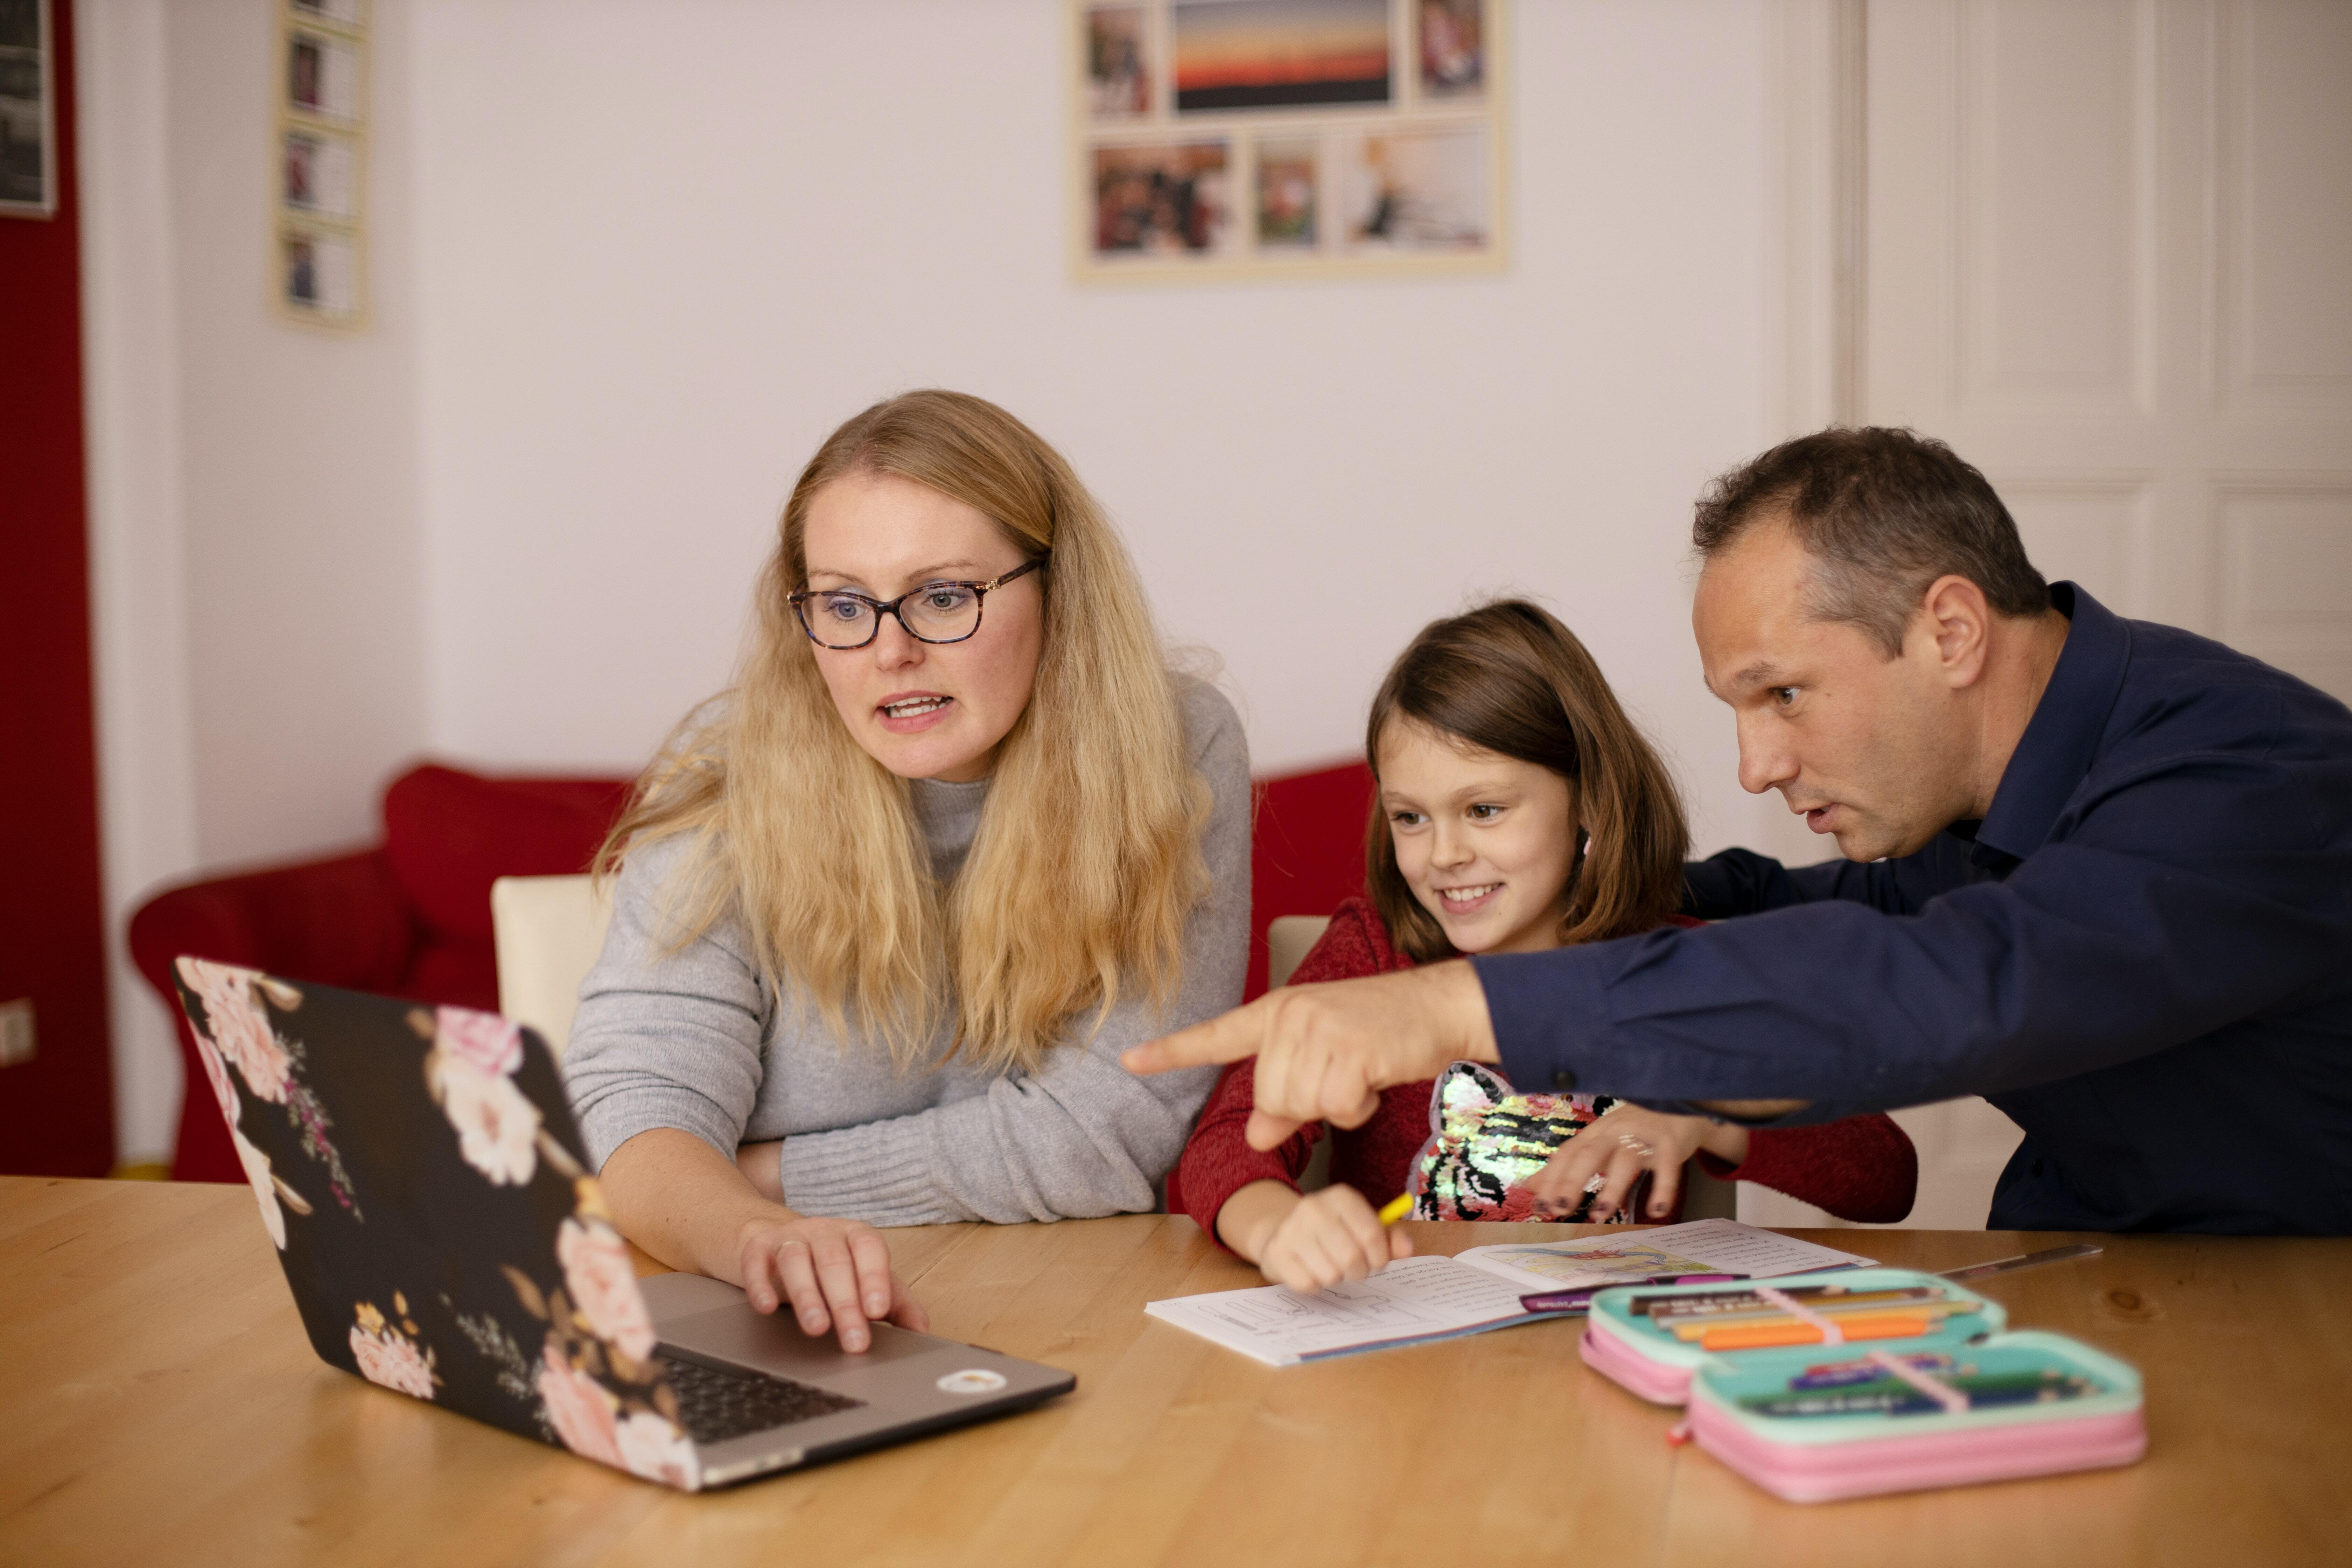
(1421, 1298)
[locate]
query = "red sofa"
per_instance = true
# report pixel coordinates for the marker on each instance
(411, 917)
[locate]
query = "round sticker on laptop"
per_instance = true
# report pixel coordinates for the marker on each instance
(971, 1380)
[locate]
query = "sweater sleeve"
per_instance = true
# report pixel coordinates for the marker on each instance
(1081, 1136)
(665, 1036)
(1861, 1168)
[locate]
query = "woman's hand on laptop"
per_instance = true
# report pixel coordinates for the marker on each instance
(834, 1272)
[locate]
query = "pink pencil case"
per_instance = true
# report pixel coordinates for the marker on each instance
(1810, 1427)
(1881, 1411)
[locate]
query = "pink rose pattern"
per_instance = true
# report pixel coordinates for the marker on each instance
(389, 1357)
(484, 1041)
(498, 1126)
(584, 1415)
(604, 1286)
(236, 1030)
(240, 1026)
(595, 1386)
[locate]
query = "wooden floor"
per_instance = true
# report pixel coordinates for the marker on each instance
(159, 1404)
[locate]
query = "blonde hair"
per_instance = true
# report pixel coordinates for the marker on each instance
(1087, 858)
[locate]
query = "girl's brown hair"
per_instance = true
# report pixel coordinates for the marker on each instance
(1509, 678)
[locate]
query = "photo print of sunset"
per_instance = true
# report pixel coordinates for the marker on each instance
(1266, 54)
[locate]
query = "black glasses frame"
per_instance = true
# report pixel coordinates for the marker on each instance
(882, 607)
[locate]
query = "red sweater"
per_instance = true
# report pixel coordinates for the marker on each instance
(1862, 1168)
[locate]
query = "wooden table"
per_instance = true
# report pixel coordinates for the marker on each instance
(159, 1404)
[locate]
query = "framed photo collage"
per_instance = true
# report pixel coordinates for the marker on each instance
(1224, 138)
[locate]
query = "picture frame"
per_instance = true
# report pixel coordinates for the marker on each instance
(1230, 139)
(319, 255)
(29, 113)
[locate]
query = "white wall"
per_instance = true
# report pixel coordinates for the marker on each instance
(632, 262)
(254, 539)
(657, 263)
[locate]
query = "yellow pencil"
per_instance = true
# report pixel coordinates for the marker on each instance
(1396, 1208)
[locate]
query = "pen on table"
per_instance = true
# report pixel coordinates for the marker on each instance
(2025, 1260)
(1581, 1297)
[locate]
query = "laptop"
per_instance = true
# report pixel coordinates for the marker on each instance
(419, 1172)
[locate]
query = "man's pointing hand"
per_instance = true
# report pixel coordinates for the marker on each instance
(1325, 1052)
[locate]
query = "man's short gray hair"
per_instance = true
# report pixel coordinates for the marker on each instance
(1884, 513)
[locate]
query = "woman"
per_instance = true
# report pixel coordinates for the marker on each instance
(887, 911)
(1518, 810)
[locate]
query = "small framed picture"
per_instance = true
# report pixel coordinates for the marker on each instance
(1287, 193)
(28, 131)
(1453, 39)
(322, 76)
(1119, 72)
(319, 274)
(320, 172)
(333, 13)
(1280, 53)
(1422, 190)
(1162, 198)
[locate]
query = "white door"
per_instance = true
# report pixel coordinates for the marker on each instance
(2106, 253)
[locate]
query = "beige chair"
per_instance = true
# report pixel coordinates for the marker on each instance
(548, 931)
(1288, 938)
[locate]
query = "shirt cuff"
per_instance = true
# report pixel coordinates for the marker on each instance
(1547, 1008)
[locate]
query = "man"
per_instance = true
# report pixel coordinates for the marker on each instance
(2097, 871)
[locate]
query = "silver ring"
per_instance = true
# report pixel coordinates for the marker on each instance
(1628, 1141)
(1595, 1184)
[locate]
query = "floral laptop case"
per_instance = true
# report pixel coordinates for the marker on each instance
(418, 1170)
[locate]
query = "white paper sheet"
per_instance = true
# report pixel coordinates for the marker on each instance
(1701, 1247)
(1414, 1299)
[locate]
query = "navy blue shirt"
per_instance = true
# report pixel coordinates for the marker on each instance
(2143, 954)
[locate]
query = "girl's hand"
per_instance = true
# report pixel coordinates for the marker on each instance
(1330, 1235)
(1616, 1150)
(834, 1272)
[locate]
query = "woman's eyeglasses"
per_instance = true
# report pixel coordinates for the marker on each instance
(935, 613)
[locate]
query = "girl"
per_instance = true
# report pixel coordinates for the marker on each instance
(888, 909)
(1518, 809)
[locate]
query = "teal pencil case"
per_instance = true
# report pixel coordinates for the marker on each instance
(1651, 1338)
(1866, 1381)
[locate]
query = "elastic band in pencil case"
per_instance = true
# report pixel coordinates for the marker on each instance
(1650, 1338)
(1812, 1424)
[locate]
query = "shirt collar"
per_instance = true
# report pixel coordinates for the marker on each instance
(2063, 737)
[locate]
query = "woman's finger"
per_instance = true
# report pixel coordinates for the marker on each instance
(759, 1271)
(837, 1275)
(871, 1257)
(797, 1270)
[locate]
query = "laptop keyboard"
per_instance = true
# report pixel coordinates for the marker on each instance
(715, 1403)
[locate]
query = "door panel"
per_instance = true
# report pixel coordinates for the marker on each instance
(2106, 253)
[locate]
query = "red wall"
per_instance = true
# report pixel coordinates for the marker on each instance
(56, 1113)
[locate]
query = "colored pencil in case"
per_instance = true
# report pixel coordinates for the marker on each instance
(1761, 1336)
(1747, 1303)
(1933, 1312)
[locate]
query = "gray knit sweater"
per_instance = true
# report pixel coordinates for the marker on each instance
(694, 1039)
